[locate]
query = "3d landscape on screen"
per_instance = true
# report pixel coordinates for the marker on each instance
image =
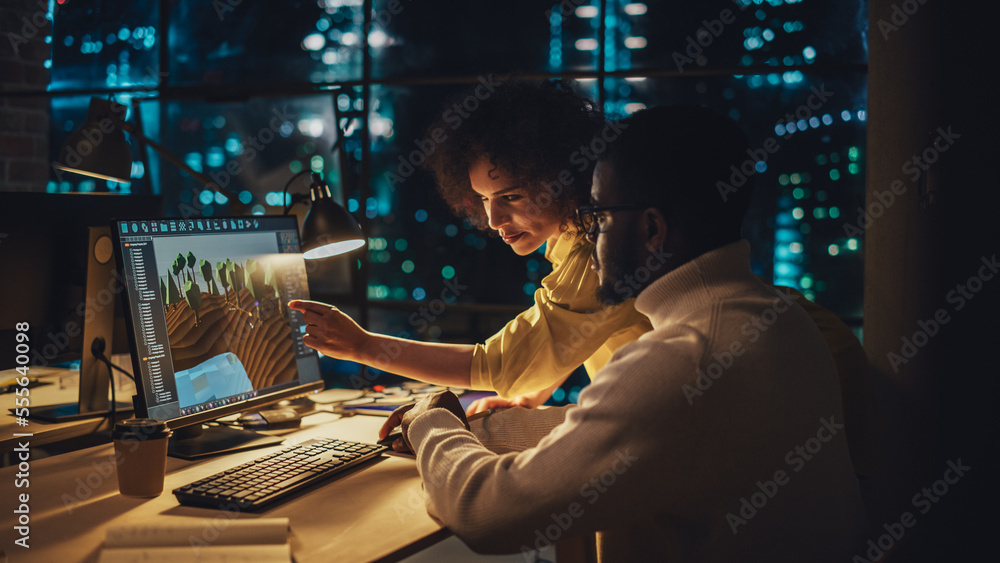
(227, 322)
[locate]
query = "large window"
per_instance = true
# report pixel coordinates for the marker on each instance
(252, 93)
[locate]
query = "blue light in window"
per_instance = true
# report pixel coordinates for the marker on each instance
(761, 166)
(809, 53)
(574, 394)
(246, 197)
(193, 159)
(787, 270)
(787, 235)
(780, 130)
(529, 288)
(827, 119)
(123, 33)
(419, 294)
(420, 215)
(215, 157)
(451, 230)
(207, 211)
(845, 115)
(352, 205)
(221, 199)
(206, 197)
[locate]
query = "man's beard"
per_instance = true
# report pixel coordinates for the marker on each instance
(613, 273)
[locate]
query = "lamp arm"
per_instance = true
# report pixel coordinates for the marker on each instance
(172, 159)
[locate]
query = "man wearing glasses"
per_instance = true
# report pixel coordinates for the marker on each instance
(717, 436)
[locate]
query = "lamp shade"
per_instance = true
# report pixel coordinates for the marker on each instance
(99, 147)
(328, 229)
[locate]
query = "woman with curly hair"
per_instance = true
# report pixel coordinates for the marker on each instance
(520, 164)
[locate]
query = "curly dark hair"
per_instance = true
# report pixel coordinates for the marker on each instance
(533, 130)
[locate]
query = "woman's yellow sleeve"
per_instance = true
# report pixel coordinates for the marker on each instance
(562, 330)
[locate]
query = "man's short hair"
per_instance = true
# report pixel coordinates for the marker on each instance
(675, 158)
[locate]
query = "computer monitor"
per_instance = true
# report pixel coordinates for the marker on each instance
(58, 277)
(209, 323)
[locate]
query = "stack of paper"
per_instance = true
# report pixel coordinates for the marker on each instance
(214, 540)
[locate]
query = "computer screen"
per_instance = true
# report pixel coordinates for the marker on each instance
(208, 314)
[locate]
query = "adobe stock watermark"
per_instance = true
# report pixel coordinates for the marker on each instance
(252, 146)
(900, 15)
(420, 321)
(745, 170)
(725, 358)
(924, 500)
(796, 459)
(704, 37)
(627, 287)
(591, 491)
(914, 167)
(101, 472)
(35, 24)
(453, 116)
(583, 157)
(44, 352)
(957, 298)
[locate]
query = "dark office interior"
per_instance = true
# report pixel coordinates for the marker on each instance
(879, 203)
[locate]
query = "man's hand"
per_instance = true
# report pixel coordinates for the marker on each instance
(330, 331)
(404, 416)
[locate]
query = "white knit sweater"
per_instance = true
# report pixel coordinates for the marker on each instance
(715, 437)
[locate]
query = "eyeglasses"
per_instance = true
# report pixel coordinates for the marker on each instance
(592, 216)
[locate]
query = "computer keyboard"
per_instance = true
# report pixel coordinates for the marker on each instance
(275, 476)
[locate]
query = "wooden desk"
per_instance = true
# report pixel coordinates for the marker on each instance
(64, 389)
(375, 512)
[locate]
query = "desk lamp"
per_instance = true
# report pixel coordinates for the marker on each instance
(99, 149)
(328, 229)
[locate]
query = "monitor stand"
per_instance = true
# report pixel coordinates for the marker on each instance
(197, 441)
(98, 322)
(66, 412)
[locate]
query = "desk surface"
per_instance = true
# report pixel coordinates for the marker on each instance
(63, 389)
(374, 512)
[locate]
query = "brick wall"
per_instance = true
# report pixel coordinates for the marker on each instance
(24, 121)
